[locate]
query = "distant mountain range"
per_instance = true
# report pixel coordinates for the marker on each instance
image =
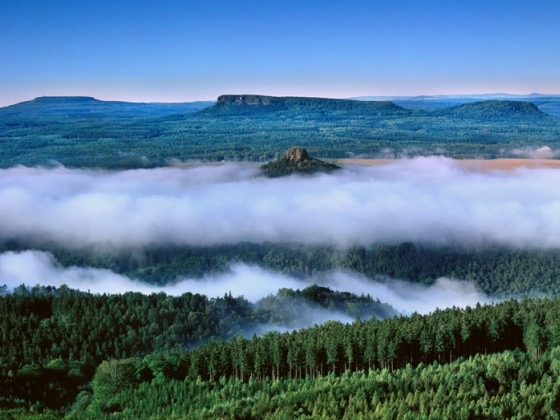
(260, 106)
(80, 105)
(86, 132)
(546, 103)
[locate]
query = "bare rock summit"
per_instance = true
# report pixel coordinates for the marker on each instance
(296, 160)
(296, 154)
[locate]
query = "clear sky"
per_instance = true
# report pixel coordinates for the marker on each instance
(175, 51)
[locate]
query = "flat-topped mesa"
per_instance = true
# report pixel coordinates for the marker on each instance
(296, 108)
(296, 160)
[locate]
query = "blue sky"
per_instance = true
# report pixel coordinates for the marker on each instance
(195, 50)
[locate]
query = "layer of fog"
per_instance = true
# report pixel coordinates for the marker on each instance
(37, 267)
(297, 313)
(430, 200)
(40, 268)
(407, 297)
(544, 152)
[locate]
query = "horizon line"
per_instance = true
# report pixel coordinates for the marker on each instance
(444, 95)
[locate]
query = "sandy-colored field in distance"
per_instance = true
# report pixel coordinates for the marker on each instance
(475, 164)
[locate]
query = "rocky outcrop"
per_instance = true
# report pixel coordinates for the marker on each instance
(296, 154)
(245, 100)
(296, 160)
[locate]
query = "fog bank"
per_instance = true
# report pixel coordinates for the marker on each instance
(40, 268)
(37, 267)
(407, 297)
(544, 152)
(429, 200)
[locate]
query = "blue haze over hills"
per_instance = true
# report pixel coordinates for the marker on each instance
(73, 105)
(545, 102)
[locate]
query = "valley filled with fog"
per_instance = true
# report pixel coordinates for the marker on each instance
(427, 201)
(424, 200)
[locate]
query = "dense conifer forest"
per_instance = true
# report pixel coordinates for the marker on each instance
(491, 361)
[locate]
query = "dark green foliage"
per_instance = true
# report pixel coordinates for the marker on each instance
(392, 343)
(500, 272)
(261, 128)
(52, 339)
(498, 386)
(292, 307)
(460, 363)
(419, 363)
(48, 330)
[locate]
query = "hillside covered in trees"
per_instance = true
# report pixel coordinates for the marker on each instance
(488, 361)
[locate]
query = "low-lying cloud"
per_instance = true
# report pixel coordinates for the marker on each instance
(429, 200)
(40, 268)
(407, 297)
(544, 152)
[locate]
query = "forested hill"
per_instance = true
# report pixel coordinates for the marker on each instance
(546, 103)
(80, 105)
(495, 110)
(296, 161)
